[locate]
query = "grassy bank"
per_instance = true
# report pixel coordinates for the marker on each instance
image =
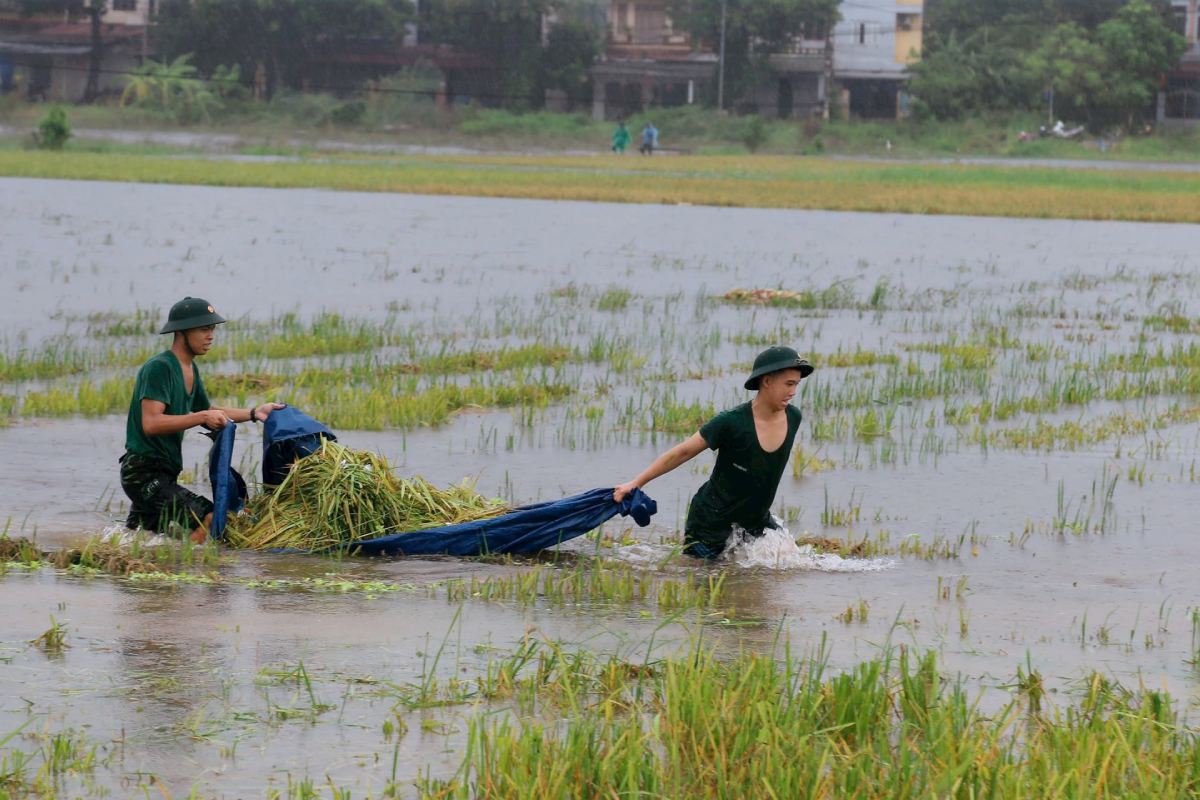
(400, 119)
(743, 181)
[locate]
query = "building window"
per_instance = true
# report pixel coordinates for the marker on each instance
(1179, 20)
(862, 33)
(124, 5)
(906, 22)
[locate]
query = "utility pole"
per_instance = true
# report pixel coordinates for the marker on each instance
(828, 105)
(721, 65)
(91, 90)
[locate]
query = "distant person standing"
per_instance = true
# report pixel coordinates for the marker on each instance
(620, 138)
(649, 139)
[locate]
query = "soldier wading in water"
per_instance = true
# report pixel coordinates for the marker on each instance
(168, 399)
(753, 442)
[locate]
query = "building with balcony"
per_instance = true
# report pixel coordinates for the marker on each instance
(646, 62)
(1179, 99)
(798, 87)
(47, 57)
(873, 46)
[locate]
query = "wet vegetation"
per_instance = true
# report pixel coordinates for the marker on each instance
(744, 181)
(565, 722)
(1040, 373)
(894, 726)
(1085, 380)
(107, 555)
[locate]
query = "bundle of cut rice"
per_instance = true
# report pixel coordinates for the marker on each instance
(338, 496)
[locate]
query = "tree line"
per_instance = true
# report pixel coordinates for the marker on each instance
(529, 55)
(276, 40)
(1093, 61)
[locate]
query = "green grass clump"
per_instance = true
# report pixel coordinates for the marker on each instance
(959, 355)
(1043, 435)
(857, 357)
(378, 403)
(51, 361)
(380, 407)
(327, 334)
(700, 726)
(338, 496)
(615, 298)
(83, 399)
(672, 417)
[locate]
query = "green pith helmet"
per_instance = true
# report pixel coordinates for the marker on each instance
(191, 312)
(774, 359)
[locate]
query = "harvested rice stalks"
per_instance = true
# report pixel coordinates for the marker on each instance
(837, 295)
(764, 296)
(338, 496)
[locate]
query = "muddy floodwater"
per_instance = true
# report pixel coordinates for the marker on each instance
(1003, 409)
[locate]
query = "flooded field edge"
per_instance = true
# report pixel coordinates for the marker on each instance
(990, 494)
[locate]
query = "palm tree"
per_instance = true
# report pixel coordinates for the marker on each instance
(173, 87)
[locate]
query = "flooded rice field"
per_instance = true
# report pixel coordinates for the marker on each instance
(998, 463)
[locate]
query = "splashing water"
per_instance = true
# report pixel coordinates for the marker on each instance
(123, 537)
(646, 555)
(776, 549)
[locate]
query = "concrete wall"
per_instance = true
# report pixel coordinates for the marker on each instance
(68, 75)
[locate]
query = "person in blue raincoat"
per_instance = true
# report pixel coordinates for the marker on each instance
(753, 443)
(649, 139)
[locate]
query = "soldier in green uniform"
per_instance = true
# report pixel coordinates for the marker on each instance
(753, 443)
(169, 399)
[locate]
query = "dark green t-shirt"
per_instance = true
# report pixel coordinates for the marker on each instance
(742, 485)
(161, 379)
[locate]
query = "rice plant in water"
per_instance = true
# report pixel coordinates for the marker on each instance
(702, 725)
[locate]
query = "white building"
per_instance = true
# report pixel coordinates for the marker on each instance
(872, 48)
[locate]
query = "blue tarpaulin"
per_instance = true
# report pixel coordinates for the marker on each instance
(289, 434)
(524, 530)
(229, 490)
